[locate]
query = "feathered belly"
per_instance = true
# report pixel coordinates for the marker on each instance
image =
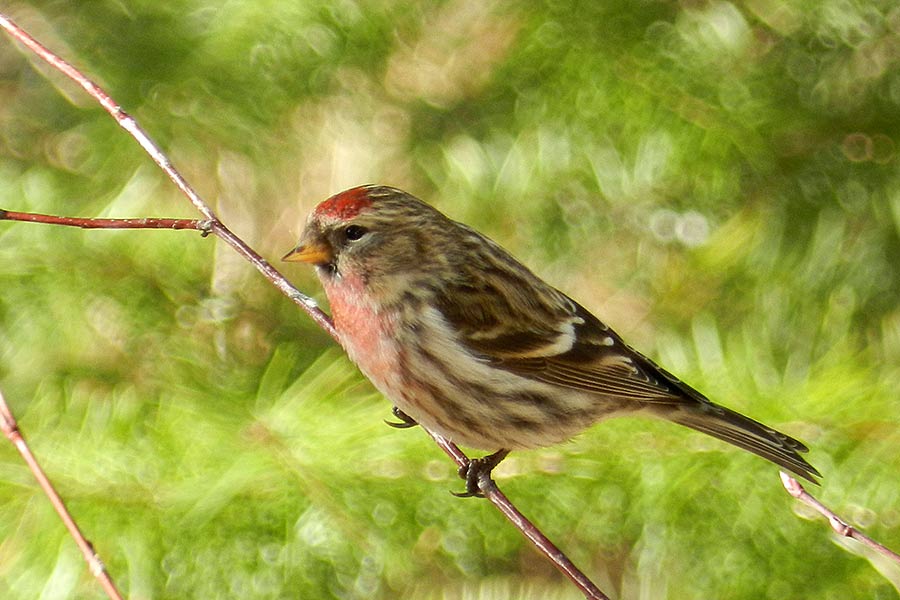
(369, 336)
(424, 371)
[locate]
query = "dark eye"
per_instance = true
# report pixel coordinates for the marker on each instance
(354, 232)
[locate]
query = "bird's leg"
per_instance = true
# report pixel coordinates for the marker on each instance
(477, 471)
(405, 422)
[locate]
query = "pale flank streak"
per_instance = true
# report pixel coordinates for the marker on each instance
(485, 406)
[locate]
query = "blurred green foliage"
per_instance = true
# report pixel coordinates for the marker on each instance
(717, 180)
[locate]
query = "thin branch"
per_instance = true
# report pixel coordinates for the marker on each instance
(489, 488)
(839, 526)
(124, 120)
(128, 123)
(11, 429)
(143, 223)
(215, 226)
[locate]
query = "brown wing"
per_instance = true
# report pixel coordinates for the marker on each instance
(552, 339)
(507, 315)
(549, 337)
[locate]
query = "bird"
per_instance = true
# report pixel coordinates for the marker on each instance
(469, 343)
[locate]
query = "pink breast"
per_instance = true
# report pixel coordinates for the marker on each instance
(366, 334)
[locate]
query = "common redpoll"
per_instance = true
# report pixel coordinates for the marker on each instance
(471, 344)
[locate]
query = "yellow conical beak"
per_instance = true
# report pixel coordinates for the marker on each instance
(313, 253)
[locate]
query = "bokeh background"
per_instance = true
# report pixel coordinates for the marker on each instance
(717, 180)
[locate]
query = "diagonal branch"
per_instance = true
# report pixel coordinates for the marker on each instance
(98, 569)
(489, 488)
(839, 526)
(213, 225)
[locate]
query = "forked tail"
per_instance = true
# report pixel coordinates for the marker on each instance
(746, 433)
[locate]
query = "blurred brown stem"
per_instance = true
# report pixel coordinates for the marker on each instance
(213, 225)
(14, 435)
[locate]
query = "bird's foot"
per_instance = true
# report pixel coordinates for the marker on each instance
(477, 474)
(405, 421)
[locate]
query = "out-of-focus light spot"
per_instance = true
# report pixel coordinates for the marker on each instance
(312, 529)
(662, 224)
(853, 196)
(265, 584)
(271, 554)
(890, 518)
(735, 96)
(429, 541)
(727, 23)
(186, 316)
(692, 229)
(219, 309)
(658, 31)
(264, 57)
(857, 147)
(861, 516)
(550, 34)
(454, 542)
(435, 470)
(719, 27)
(390, 469)
(384, 514)
(214, 310)
(802, 66)
(71, 150)
(576, 209)
(320, 40)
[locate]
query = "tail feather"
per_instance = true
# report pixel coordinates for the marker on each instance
(746, 433)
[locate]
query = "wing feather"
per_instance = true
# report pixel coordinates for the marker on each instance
(508, 317)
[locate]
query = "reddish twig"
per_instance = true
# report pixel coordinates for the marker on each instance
(212, 224)
(11, 430)
(839, 526)
(489, 488)
(144, 223)
(128, 123)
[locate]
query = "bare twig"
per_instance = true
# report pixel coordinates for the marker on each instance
(11, 430)
(489, 488)
(212, 224)
(128, 123)
(84, 223)
(839, 526)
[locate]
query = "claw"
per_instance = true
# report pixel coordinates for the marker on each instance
(477, 474)
(405, 422)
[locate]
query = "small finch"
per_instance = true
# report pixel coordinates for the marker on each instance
(469, 343)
